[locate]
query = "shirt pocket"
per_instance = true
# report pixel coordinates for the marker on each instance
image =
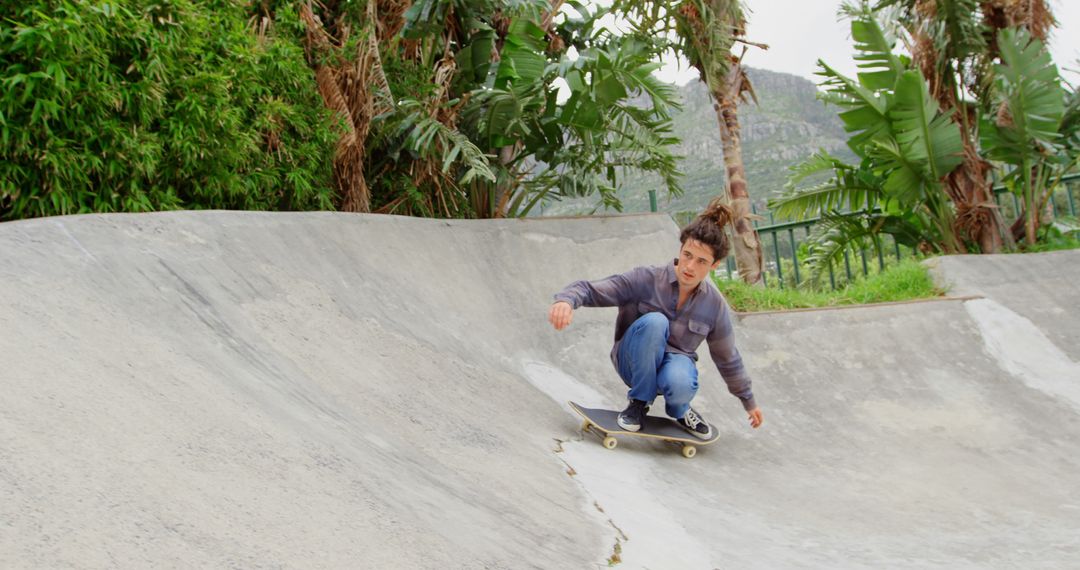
(698, 330)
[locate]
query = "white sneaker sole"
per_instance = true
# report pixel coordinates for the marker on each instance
(627, 427)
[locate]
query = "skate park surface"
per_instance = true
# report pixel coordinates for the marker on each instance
(323, 390)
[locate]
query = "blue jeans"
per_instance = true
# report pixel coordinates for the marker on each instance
(648, 369)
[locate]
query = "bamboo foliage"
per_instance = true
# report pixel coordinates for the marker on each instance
(139, 106)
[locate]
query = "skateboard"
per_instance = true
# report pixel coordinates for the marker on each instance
(604, 424)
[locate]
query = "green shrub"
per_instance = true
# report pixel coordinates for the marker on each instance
(139, 105)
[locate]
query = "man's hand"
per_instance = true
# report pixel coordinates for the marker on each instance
(560, 314)
(755, 418)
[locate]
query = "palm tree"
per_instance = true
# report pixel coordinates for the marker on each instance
(708, 29)
(705, 32)
(954, 44)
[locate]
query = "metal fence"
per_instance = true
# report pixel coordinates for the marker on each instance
(782, 241)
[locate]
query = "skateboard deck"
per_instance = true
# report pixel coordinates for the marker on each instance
(604, 423)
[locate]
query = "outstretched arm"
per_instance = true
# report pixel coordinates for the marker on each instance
(608, 292)
(729, 362)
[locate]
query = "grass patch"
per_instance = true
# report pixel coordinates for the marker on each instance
(903, 281)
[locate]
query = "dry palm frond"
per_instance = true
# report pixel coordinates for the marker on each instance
(1031, 14)
(384, 98)
(333, 85)
(925, 56)
(977, 216)
(392, 18)
(1003, 117)
(317, 38)
(742, 86)
(319, 43)
(1040, 19)
(444, 75)
(369, 64)
(926, 9)
(332, 94)
(1034, 15)
(972, 222)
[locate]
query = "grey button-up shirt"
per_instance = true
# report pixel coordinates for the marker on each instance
(704, 316)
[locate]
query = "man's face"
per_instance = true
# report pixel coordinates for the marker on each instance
(695, 263)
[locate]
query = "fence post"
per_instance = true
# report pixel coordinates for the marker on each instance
(794, 255)
(779, 266)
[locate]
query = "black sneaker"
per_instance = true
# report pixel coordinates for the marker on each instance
(632, 417)
(693, 423)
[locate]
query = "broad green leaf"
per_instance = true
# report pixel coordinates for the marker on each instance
(475, 58)
(609, 90)
(522, 61)
(905, 179)
(881, 68)
(834, 195)
(930, 142)
(820, 161)
(1028, 101)
(866, 114)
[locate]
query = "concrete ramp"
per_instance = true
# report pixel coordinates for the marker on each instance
(225, 389)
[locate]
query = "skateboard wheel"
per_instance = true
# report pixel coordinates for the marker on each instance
(585, 426)
(689, 451)
(610, 442)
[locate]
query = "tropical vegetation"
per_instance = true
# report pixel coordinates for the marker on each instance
(487, 108)
(437, 107)
(978, 98)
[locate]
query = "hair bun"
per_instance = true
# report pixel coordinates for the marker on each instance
(719, 212)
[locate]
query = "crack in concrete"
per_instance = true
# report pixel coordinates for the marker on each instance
(616, 552)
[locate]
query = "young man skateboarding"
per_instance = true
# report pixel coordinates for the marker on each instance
(665, 312)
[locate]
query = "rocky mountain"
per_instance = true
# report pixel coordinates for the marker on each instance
(782, 129)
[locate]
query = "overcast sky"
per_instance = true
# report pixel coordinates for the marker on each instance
(799, 32)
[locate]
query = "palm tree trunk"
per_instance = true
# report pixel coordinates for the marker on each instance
(504, 187)
(746, 245)
(1030, 206)
(978, 217)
